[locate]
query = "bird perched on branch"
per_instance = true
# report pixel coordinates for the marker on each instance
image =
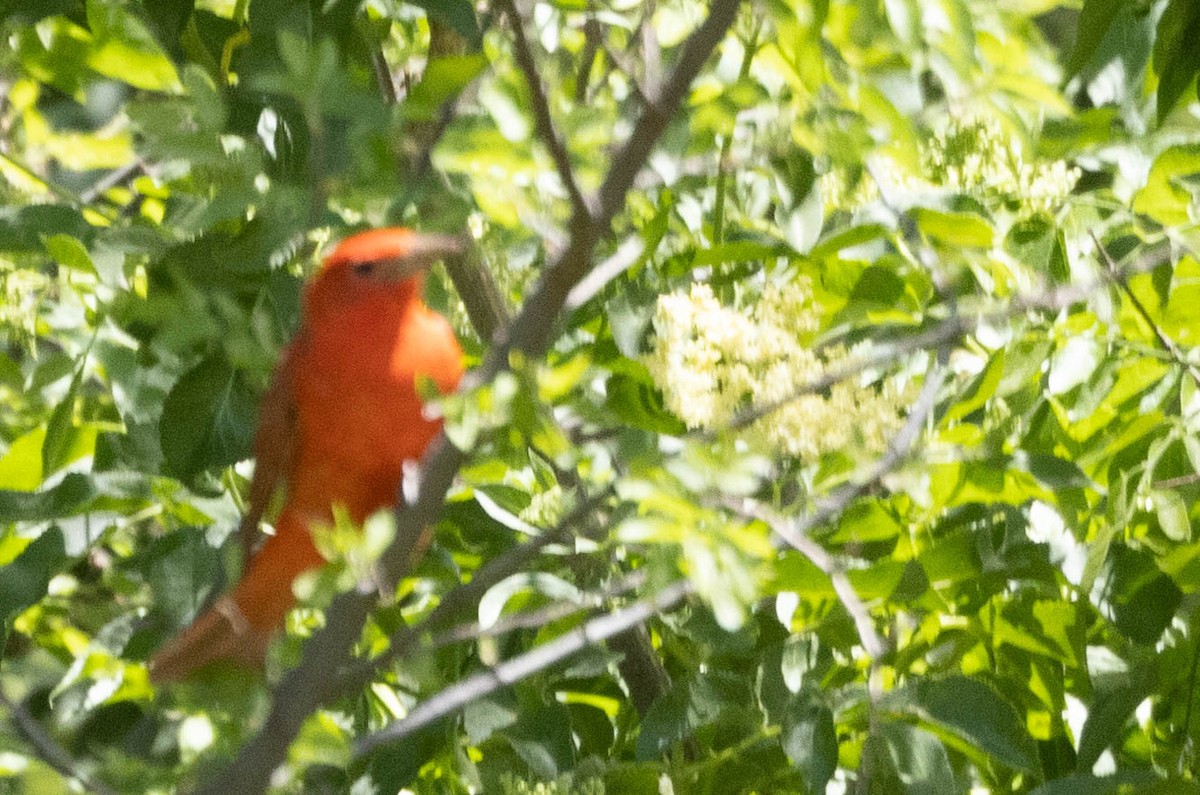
(338, 422)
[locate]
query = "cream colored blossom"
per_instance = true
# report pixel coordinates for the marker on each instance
(973, 156)
(714, 361)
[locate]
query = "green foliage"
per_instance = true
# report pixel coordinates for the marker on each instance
(988, 586)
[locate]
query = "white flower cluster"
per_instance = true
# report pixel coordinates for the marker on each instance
(21, 292)
(712, 361)
(973, 156)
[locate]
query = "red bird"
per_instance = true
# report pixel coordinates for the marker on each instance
(338, 422)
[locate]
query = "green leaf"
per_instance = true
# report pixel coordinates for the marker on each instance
(674, 716)
(542, 738)
(444, 79)
(24, 229)
(21, 465)
(954, 228)
(69, 253)
(1143, 782)
(842, 239)
(864, 522)
(66, 498)
(1172, 513)
(208, 419)
(1038, 244)
(1110, 713)
(975, 713)
(809, 739)
(1143, 599)
(1176, 58)
(1095, 20)
(124, 49)
(979, 391)
(459, 14)
(483, 717)
(739, 251)
(61, 442)
(1166, 197)
(26, 579)
(637, 403)
(908, 761)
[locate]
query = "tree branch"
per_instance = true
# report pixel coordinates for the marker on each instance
(541, 114)
(531, 662)
(603, 274)
(46, 747)
(1122, 282)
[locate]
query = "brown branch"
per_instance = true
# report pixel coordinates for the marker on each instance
(509, 672)
(310, 684)
(593, 40)
(541, 114)
(46, 747)
(485, 306)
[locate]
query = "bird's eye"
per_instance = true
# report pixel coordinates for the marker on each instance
(364, 269)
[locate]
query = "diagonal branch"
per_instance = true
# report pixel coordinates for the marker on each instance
(1122, 282)
(46, 747)
(310, 684)
(541, 114)
(522, 666)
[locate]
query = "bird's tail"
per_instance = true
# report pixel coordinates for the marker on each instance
(240, 625)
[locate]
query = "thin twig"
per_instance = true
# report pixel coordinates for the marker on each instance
(541, 114)
(621, 62)
(1174, 483)
(1122, 283)
(46, 747)
(525, 665)
(112, 179)
(534, 619)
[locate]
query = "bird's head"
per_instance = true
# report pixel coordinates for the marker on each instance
(380, 264)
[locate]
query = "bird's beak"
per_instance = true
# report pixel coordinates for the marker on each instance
(432, 246)
(423, 249)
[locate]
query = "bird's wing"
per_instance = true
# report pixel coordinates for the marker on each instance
(275, 443)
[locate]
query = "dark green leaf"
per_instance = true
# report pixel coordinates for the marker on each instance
(1176, 58)
(975, 713)
(1095, 19)
(208, 419)
(25, 579)
(639, 404)
(64, 499)
(810, 740)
